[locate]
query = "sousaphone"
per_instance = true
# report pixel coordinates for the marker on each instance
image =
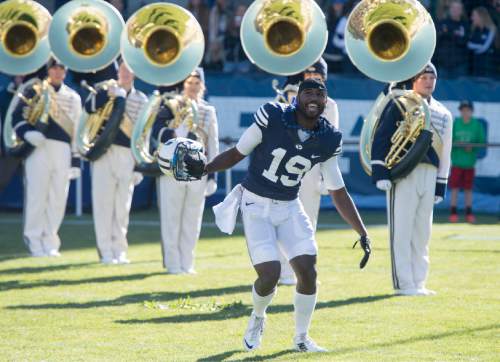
(283, 36)
(162, 44)
(85, 36)
(24, 48)
(391, 41)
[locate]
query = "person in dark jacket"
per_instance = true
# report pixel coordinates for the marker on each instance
(452, 35)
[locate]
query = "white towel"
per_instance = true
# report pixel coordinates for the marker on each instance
(227, 211)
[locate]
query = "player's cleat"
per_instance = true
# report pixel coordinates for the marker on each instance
(253, 334)
(54, 253)
(303, 343)
(453, 218)
(122, 259)
(471, 219)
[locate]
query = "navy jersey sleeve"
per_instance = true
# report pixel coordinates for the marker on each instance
(382, 141)
(267, 114)
(20, 125)
(96, 101)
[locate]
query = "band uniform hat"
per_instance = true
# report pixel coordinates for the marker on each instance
(428, 69)
(312, 83)
(53, 62)
(319, 67)
(198, 73)
(466, 104)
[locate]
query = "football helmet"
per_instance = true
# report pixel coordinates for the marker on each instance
(171, 156)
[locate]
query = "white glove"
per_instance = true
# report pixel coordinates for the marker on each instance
(384, 185)
(437, 199)
(137, 178)
(117, 92)
(74, 173)
(35, 138)
(211, 187)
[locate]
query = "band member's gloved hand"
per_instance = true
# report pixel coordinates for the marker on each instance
(211, 187)
(117, 92)
(365, 244)
(195, 167)
(36, 138)
(437, 199)
(74, 173)
(137, 178)
(384, 185)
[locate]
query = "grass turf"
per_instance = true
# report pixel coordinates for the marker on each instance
(74, 309)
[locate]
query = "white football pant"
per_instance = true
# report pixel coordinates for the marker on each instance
(112, 190)
(410, 207)
(181, 207)
(310, 196)
(273, 226)
(46, 192)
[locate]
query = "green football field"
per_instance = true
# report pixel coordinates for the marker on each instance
(74, 309)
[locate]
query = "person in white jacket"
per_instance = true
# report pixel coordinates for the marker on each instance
(182, 203)
(113, 176)
(312, 183)
(48, 168)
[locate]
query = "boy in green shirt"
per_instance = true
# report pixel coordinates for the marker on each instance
(466, 129)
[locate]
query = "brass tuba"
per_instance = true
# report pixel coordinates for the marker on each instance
(85, 36)
(24, 48)
(391, 41)
(97, 131)
(36, 113)
(162, 44)
(283, 36)
(24, 45)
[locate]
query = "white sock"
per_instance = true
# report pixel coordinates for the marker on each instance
(260, 303)
(304, 307)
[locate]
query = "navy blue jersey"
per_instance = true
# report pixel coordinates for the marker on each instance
(280, 161)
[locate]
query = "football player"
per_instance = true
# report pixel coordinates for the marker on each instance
(311, 186)
(286, 142)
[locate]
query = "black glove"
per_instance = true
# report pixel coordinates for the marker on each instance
(365, 244)
(194, 167)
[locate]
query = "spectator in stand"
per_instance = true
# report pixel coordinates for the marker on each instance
(338, 38)
(235, 58)
(482, 43)
(452, 35)
(334, 55)
(495, 12)
(201, 12)
(217, 26)
(466, 129)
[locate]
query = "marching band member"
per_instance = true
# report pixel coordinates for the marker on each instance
(411, 199)
(182, 203)
(113, 176)
(48, 168)
(311, 188)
